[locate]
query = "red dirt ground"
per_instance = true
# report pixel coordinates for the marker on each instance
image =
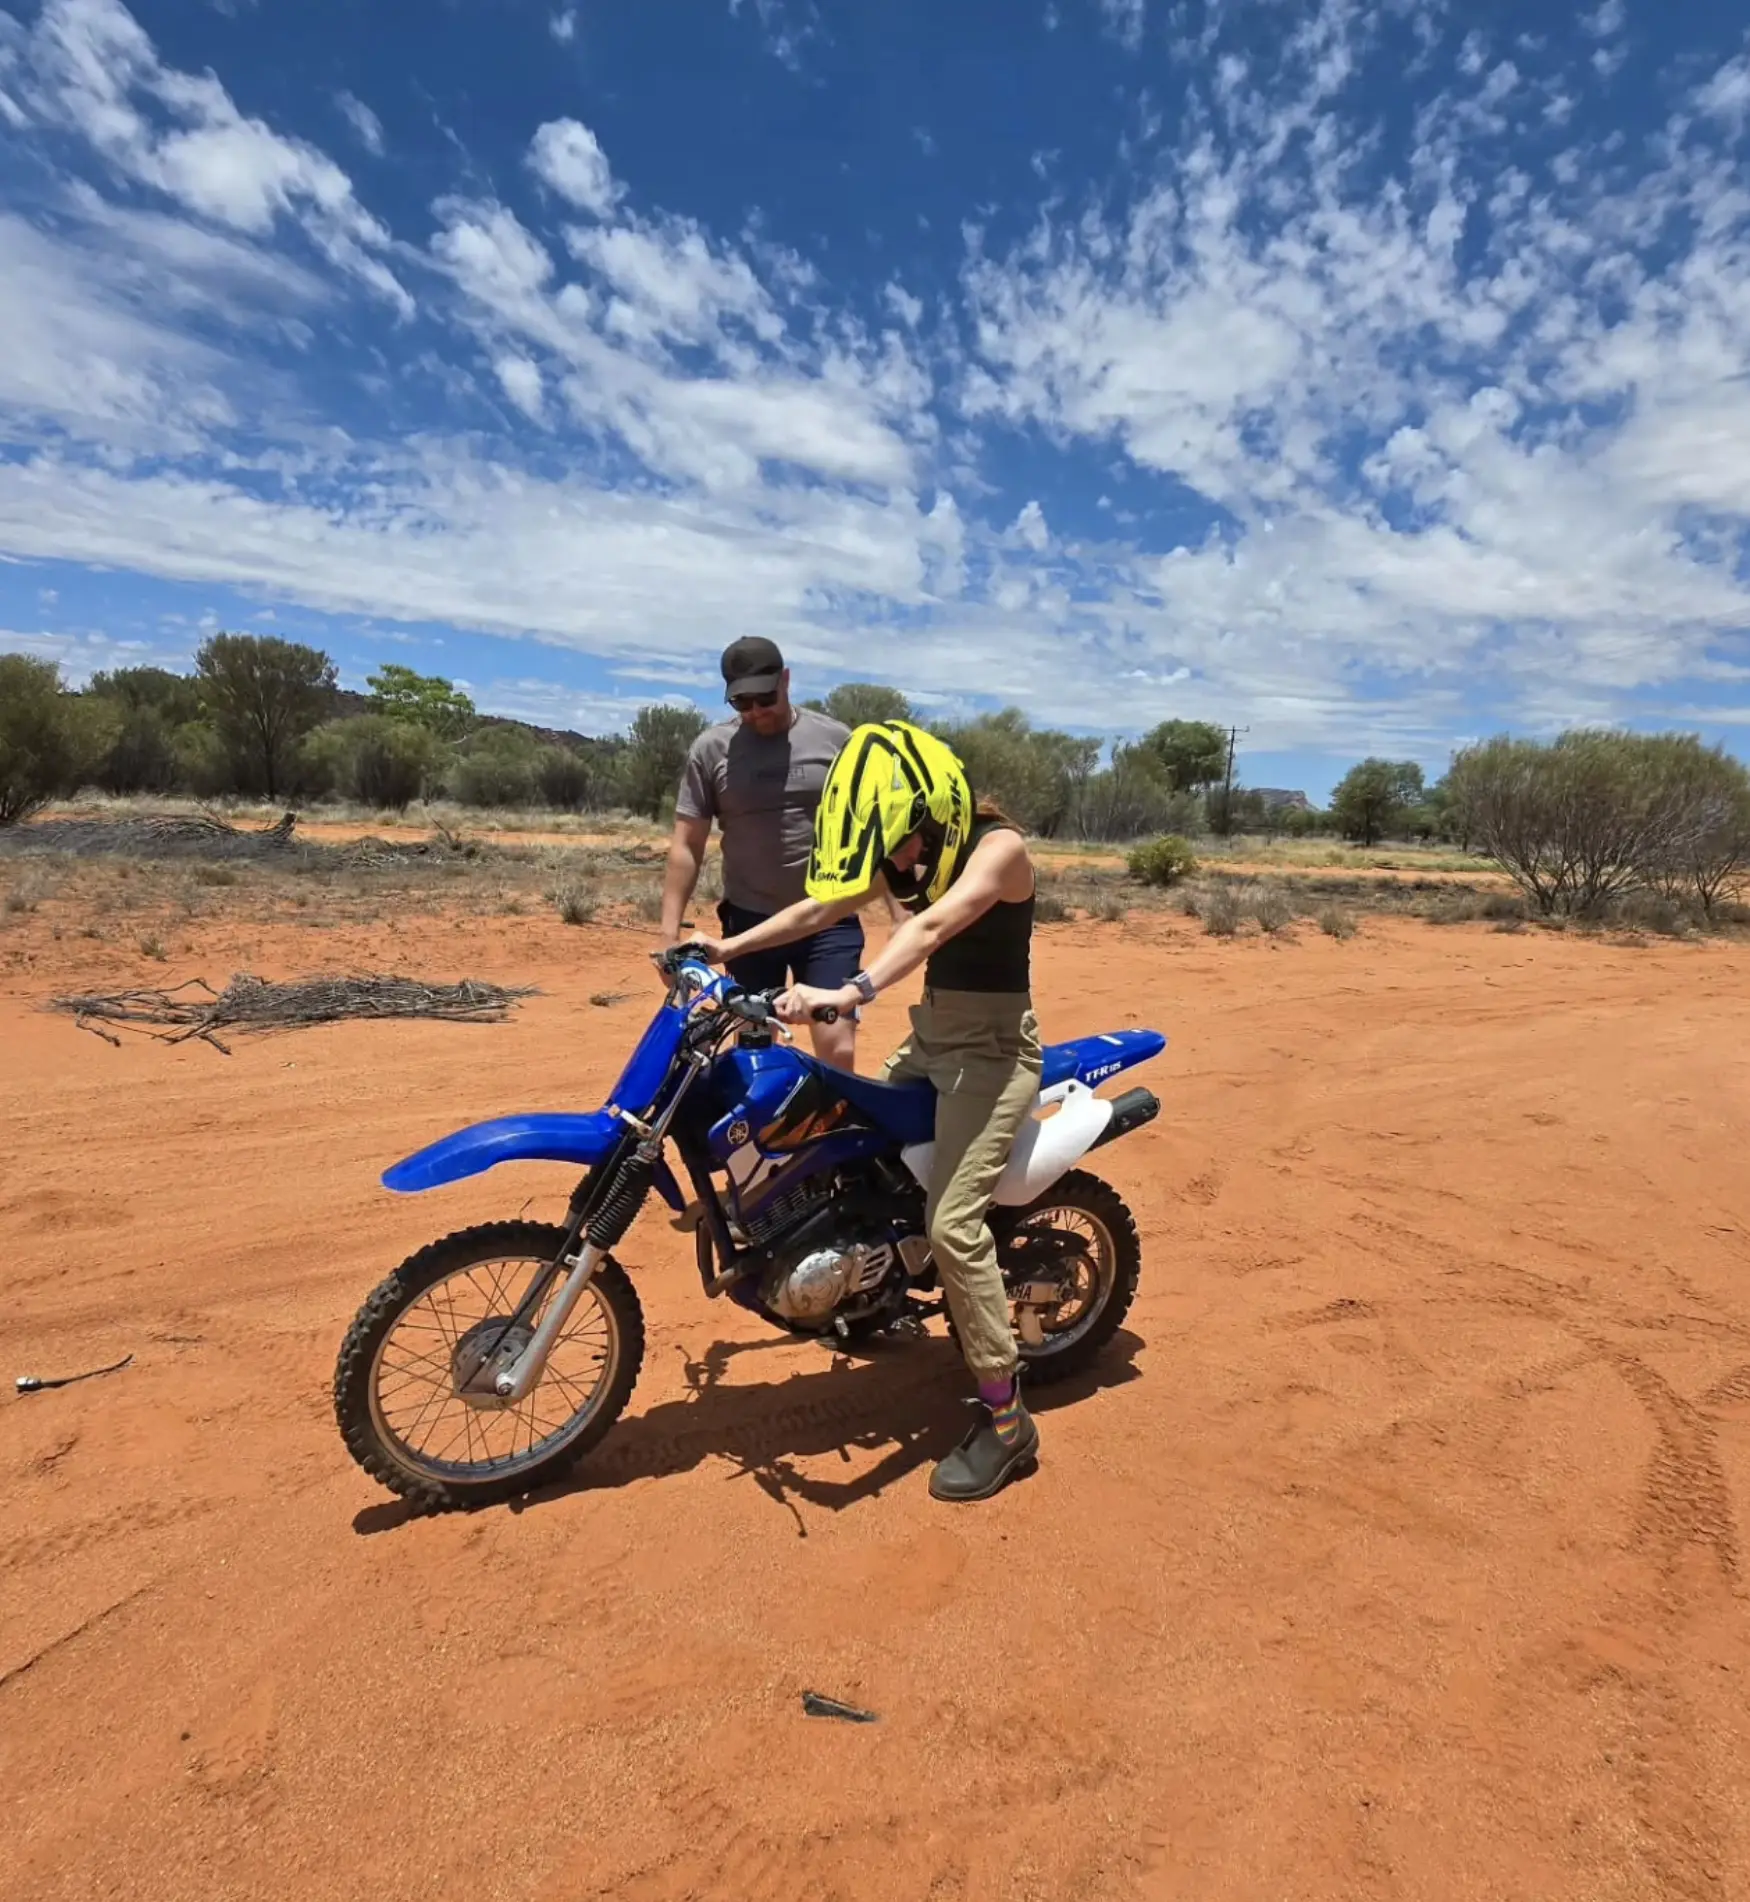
(1398, 1553)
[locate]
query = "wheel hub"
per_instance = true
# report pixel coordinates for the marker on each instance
(474, 1380)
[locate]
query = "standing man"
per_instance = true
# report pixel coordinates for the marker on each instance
(759, 776)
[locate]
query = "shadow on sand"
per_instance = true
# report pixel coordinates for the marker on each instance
(903, 1401)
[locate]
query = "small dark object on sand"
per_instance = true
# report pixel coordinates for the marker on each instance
(818, 1706)
(29, 1383)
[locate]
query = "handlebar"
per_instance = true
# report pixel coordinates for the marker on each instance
(751, 1006)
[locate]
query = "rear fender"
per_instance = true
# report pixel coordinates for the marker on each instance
(581, 1140)
(1046, 1147)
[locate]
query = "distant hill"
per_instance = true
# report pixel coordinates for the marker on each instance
(347, 704)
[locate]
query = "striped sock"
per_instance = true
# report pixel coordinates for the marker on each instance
(1003, 1397)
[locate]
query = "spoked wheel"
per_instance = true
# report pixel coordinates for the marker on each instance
(1073, 1258)
(419, 1411)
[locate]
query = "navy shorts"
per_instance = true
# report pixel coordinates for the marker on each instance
(828, 960)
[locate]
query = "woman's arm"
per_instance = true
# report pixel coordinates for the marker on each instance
(800, 920)
(999, 870)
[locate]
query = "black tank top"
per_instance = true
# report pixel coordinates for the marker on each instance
(993, 953)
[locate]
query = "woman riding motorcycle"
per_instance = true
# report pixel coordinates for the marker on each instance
(897, 813)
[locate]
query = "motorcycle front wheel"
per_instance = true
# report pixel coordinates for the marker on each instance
(418, 1418)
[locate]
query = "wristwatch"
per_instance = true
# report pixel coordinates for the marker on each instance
(864, 985)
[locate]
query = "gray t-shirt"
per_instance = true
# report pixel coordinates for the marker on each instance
(763, 795)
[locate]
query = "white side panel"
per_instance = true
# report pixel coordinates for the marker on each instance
(1044, 1148)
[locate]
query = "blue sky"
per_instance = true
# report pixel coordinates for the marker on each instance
(1371, 377)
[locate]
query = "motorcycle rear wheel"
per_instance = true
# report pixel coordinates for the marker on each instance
(395, 1395)
(1096, 1214)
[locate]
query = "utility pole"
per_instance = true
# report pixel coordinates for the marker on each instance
(1227, 788)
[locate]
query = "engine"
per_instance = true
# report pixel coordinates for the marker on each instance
(811, 1289)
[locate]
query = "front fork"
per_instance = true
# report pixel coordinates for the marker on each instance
(590, 1237)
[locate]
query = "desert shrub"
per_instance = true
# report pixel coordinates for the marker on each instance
(564, 779)
(142, 758)
(1592, 816)
(1653, 911)
(1498, 906)
(1166, 861)
(1049, 908)
(1272, 908)
(1109, 909)
(497, 767)
(1335, 922)
(377, 761)
(577, 904)
(1221, 911)
(36, 738)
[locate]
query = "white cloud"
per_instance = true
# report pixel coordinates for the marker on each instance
(563, 26)
(521, 382)
(1606, 21)
(84, 354)
(905, 307)
(89, 67)
(1029, 529)
(1463, 430)
(1246, 337)
(1125, 20)
(1727, 95)
(567, 157)
(786, 27)
(363, 121)
(81, 655)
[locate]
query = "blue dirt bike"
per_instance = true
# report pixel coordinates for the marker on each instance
(492, 1360)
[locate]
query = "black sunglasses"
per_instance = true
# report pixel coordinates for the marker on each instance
(745, 702)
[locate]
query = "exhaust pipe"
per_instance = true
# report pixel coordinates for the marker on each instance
(1130, 1111)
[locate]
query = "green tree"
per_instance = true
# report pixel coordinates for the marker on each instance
(1132, 797)
(497, 766)
(1594, 815)
(1372, 798)
(36, 739)
(1192, 753)
(567, 779)
(860, 702)
(152, 705)
(1039, 778)
(174, 697)
(654, 759)
(427, 700)
(378, 761)
(263, 695)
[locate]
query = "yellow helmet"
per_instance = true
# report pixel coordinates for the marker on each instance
(890, 780)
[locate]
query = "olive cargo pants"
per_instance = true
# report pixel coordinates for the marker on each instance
(981, 1051)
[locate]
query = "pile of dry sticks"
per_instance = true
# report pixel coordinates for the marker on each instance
(253, 1004)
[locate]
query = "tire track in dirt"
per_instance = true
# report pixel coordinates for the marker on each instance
(1685, 1511)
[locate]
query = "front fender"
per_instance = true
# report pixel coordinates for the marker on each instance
(580, 1140)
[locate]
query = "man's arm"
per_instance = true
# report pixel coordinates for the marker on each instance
(686, 853)
(800, 920)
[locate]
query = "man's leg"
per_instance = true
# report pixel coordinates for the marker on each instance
(829, 960)
(764, 970)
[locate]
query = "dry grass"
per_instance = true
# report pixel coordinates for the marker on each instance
(1335, 922)
(1272, 908)
(1221, 911)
